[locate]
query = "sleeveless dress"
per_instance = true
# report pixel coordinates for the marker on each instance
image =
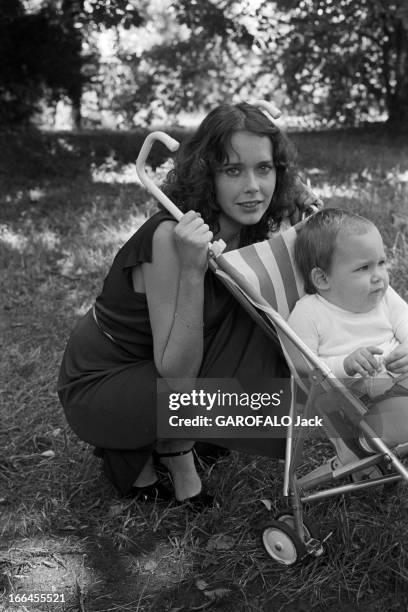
(108, 380)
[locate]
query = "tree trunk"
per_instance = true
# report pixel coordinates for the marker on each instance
(398, 101)
(76, 112)
(72, 10)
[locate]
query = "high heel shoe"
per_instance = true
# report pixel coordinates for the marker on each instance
(197, 502)
(156, 492)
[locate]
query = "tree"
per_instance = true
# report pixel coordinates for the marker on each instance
(397, 63)
(345, 58)
(196, 58)
(37, 60)
(78, 18)
(43, 53)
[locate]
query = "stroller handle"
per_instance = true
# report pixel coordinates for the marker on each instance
(172, 145)
(270, 108)
(216, 247)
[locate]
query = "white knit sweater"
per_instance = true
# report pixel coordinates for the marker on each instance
(333, 333)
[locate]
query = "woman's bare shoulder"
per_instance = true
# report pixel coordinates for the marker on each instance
(163, 240)
(162, 248)
(164, 230)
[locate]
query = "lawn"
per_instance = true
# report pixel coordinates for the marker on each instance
(67, 203)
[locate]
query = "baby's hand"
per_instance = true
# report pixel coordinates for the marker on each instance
(362, 361)
(397, 361)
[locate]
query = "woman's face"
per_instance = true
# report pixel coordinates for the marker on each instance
(244, 186)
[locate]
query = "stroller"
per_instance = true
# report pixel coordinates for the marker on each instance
(264, 279)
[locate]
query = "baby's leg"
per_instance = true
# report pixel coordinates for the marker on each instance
(345, 454)
(389, 419)
(388, 416)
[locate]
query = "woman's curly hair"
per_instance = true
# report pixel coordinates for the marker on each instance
(190, 184)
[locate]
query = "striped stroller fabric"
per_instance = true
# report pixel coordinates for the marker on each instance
(266, 274)
(267, 269)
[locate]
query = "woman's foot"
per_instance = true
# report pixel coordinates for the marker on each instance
(147, 476)
(147, 486)
(186, 481)
(155, 492)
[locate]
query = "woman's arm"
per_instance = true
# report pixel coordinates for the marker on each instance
(174, 284)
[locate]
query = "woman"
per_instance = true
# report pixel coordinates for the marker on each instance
(161, 313)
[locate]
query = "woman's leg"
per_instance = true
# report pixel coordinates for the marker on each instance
(147, 476)
(182, 468)
(186, 480)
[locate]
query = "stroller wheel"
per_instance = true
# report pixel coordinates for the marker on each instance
(311, 533)
(311, 530)
(282, 543)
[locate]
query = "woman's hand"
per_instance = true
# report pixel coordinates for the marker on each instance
(397, 361)
(192, 237)
(362, 361)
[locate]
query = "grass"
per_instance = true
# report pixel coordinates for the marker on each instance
(67, 203)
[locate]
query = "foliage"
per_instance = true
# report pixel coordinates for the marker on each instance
(341, 62)
(209, 19)
(112, 13)
(345, 59)
(200, 57)
(43, 54)
(38, 58)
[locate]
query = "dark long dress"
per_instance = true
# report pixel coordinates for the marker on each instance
(107, 385)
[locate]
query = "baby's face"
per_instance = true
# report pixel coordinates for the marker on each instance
(358, 277)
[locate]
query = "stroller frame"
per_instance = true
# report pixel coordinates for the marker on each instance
(293, 540)
(290, 538)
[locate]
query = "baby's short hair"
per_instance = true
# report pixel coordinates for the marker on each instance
(316, 240)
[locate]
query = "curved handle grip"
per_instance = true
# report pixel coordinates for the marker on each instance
(216, 247)
(171, 144)
(269, 107)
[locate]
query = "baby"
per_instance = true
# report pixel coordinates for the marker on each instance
(350, 317)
